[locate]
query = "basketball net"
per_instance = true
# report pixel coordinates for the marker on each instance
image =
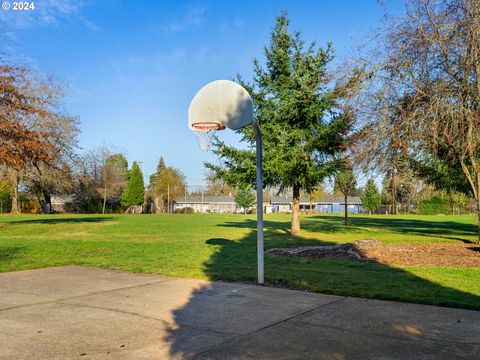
(205, 132)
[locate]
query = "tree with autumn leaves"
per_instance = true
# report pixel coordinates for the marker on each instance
(167, 184)
(33, 134)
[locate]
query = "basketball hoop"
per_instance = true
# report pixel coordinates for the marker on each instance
(204, 132)
(218, 105)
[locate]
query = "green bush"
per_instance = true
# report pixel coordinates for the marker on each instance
(85, 206)
(5, 199)
(434, 206)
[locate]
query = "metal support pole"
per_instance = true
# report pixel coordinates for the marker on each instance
(260, 264)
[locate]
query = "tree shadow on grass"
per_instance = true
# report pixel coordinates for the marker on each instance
(62, 220)
(450, 230)
(220, 241)
(233, 310)
(8, 253)
(269, 225)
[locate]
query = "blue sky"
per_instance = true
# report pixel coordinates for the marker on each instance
(132, 67)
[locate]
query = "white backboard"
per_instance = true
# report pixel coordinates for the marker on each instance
(224, 102)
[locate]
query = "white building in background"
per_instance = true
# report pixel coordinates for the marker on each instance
(226, 204)
(329, 204)
(62, 203)
(208, 204)
(336, 205)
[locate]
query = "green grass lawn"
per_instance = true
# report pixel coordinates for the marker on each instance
(224, 247)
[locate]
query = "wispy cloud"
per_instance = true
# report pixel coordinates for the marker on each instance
(194, 16)
(89, 24)
(138, 68)
(236, 23)
(46, 13)
(162, 67)
(51, 11)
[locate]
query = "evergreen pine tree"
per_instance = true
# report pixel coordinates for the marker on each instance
(371, 197)
(345, 182)
(302, 127)
(245, 198)
(135, 189)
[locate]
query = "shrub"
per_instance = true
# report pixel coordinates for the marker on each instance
(434, 206)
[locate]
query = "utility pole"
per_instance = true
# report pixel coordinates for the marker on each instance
(260, 262)
(168, 198)
(393, 190)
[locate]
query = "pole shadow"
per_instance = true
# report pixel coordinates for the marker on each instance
(61, 220)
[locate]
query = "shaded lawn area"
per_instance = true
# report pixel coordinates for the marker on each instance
(224, 247)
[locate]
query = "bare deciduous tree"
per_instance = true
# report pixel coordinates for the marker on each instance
(107, 171)
(46, 180)
(217, 187)
(422, 95)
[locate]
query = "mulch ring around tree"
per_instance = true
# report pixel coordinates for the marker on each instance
(444, 254)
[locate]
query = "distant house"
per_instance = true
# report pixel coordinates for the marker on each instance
(278, 204)
(207, 204)
(284, 204)
(62, 203)
(330, 204)
(336, 205)
(281, 204)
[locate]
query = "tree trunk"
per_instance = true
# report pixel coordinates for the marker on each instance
(296, 211)
(14, 179)
(393, 194)
(47, 205)
(346, 210)
(104, 198)
(477, 200)
(478, 219)
(168, 198)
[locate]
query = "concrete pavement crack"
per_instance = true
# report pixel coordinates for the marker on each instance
(53, 300)
(242, 336)
(164, 322)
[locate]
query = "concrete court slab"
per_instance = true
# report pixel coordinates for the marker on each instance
(84, 313)
(231, 308)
